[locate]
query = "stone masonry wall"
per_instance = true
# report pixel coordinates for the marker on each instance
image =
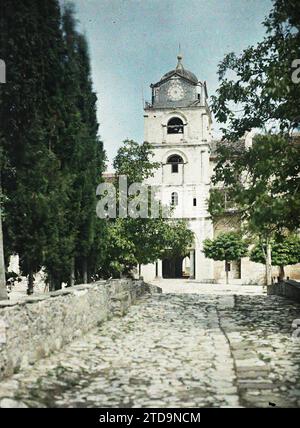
(38, 325)
(289, 289)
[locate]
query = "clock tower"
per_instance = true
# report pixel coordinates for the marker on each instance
(178, 126)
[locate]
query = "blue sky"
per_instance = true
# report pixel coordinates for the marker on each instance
(134, 42)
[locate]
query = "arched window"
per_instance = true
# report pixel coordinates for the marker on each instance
(174, 199)
(174, 161)
(175, 126)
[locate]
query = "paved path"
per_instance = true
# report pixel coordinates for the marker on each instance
(195, 287)
(175, 350)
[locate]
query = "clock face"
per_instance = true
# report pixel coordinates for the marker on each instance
(175, 92)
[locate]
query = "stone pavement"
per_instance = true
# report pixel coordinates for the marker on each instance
(195, 287)
(232, 349)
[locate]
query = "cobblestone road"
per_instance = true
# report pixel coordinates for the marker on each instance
(174, 350)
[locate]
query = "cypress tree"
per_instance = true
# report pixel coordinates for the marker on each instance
(93, 163)
(51, 156)
(88, 154)
(24, 138)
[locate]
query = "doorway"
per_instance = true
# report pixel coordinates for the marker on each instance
(175, 267)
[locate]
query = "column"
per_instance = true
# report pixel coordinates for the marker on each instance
(192, 264)
(164, 133)
(158, 269)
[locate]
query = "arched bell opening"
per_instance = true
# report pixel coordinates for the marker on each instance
(174, 161)
(175, 126)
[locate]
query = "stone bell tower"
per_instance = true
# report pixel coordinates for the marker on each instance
(178, 125)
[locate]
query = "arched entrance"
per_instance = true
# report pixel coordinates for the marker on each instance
(172, 268)
(179, 267)
(186, 267)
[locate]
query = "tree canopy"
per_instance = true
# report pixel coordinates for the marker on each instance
(51, 155)
(228, 247)
(137, 240)
(257, 89)
(258, 92)
(285, 251)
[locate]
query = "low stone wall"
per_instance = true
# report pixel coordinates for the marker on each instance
(38, 325)
(289, 288)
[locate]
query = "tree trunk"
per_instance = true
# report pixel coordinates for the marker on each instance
(173, 270)
(269, 263)
(3, 290)
(72, 273)
(50, 282)
(54, 283)
(84, 270)
(226, 270)
(140, 270)
(281, 273)
(30, 283)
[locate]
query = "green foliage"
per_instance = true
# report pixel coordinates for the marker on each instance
(30, 171)
(216, 206)
(265, 201)
(262, 181)
(136, 241)
(146, 237)
(262, 94)
(227, 246)
(51, 157)
(97, 255)
(178, 238)
(142, 235)
(134, 161)
(131, 242)
(87, 156)
(285, 251)
(119, 255)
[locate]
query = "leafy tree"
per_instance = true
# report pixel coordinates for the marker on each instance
(132, 242)
(284, 252)
(177, 239)
(134, 161)
(146, 237)
(137, 241)
(227, 246)
(262, 93)
(119, 254)
(262, 181)
(158, 238)
(262, 201)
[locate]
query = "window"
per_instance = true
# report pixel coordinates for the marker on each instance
(174, 160)
(194, 202)
(174, 199)
(175, 126)
(175, 168)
